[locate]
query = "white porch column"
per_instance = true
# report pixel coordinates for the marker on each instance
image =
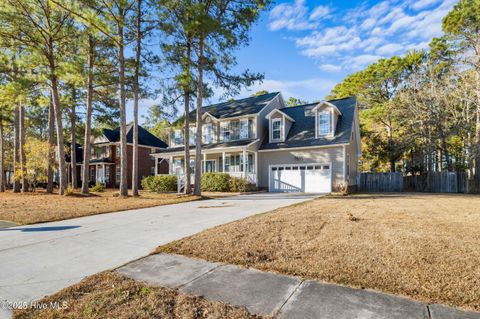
(255, 169)
(170, 165)
(223, 162)
(245, 162)
(204, 168)
(155, 171)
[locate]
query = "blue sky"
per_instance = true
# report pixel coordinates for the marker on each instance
(305, 47)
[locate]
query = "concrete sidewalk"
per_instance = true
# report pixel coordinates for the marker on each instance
(280, 296)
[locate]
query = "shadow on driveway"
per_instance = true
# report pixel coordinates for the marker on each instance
(40, 229)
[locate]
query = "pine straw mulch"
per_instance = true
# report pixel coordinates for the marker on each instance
(111, 295)
(424, 246)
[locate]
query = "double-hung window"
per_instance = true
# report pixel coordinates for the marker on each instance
(192, 135)
(207, 133)
(177, 137)
(225, 132)
(244, 129)
(324, 123)
(276, 129)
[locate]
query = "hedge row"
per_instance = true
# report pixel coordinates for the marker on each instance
(223, 182)
(211, 182)
(160, 184)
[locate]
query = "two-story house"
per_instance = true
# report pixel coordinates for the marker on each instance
(306, 148)
(104, 165)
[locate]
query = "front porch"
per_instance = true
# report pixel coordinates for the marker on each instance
(241, 164)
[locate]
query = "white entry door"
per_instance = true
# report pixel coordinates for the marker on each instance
(100, 174)
(307, 178)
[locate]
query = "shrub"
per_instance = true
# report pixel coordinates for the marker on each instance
(238, 185)
(216, 182)
(69, 191)
(98, 187)
(147, 183)
(160, 184)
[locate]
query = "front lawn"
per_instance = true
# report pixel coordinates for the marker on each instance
(38, 207)
(110, 295)
(424, 246)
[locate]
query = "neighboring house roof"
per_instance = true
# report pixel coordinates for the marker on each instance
(144, 136)
(302, 131)
(208, 146)
(234, 108)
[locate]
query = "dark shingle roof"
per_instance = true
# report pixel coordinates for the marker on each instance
(302, 131)
(144, 136)
(233, 108)
(208, 146)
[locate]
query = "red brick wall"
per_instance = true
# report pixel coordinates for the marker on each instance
(145, 165)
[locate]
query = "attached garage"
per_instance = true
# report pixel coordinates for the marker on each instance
(308, 178)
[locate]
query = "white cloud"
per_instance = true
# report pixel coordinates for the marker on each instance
(363, 34)
(330, 67)
(360, 62)
(320, 12)
(420, 4)
(296, 16)
(389, 49)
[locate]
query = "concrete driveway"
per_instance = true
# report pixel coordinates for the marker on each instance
(41, 259)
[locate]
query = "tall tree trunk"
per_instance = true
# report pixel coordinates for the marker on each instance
(73, 149)
(198, 139)
(2, 157)
(23, 159)
(123, 121)
(186, 134)
(16, 147)
(390, 149)
(62, 177)
(51, 143)
(439, 159)
(477, 125)
(88, 117)
(135, 99)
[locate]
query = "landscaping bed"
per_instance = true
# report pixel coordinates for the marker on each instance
(111, 295)
(38, 207)
(424, 246)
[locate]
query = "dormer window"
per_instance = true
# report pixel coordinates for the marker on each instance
(324, 123)
(276, 129)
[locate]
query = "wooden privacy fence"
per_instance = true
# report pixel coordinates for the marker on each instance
(380, 182)
(433, 182)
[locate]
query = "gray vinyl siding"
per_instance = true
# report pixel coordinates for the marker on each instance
(332, 155)
(262, 122)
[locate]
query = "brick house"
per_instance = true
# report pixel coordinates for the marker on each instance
(104, 166)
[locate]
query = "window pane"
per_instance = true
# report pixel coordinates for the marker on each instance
(276, 129)
(324, 122)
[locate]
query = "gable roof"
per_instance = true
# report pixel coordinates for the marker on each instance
(144, 137)
(302, 131)
(234, 108)
(281, 112)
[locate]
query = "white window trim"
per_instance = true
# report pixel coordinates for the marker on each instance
(271, 129)
(245, 122)
(317, 124)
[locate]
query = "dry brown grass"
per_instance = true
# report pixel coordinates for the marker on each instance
(110, 295)
(38, 207)
(422, 246)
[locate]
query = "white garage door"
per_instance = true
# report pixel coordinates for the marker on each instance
(308, 178)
